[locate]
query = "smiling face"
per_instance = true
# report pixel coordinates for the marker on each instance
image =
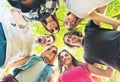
(50, 54)
(46, 40)
(52, 27)
(66, 58)
(72, 40)
(70, 21)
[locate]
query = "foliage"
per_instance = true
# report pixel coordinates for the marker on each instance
(38, 29)
(113, 10)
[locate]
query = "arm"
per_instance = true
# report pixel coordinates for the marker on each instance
(19, 62)
(50, 79)
(16, 14)
(94, 77)
(101, 10)
(108, 72)
(102, 18)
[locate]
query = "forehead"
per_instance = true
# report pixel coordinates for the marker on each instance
(69, 36)
(46, 35)
(63, 53)
(53, 47)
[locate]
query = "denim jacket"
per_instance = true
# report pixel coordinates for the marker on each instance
(42, 76)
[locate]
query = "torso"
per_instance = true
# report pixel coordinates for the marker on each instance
(101, 45)
(82, 8)
(19, 41)
(76, 74)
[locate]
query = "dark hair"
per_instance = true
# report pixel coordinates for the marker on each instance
(73, 32)
(44, 22)
(52, 37)
(78, 20)
(39, 38)
(75, 62)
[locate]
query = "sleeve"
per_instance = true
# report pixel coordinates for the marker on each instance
(91, 24)
(91, 60)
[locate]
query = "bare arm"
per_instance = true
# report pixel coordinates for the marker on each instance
(19, 62)
(96, 78)
(16, 14)
(50, 79)
(101, 10)
(102, 18)
(108, 72)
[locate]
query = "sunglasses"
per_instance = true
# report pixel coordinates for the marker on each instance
(53, 51)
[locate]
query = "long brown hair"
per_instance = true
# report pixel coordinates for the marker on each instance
(75, 62)
(44, 23)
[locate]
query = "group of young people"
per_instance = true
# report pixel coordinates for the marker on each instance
(101, 46)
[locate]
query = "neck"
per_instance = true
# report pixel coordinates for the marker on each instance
(69, 67)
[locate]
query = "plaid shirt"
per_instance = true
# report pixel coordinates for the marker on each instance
(45, 9)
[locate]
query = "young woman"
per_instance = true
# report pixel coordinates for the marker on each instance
(40, 10)
(92, 9)
(75, 71)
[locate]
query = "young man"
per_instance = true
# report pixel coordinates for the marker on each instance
(45, 40)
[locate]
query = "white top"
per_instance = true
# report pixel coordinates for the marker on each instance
(82, 8)
(31, 73)
(19, 40)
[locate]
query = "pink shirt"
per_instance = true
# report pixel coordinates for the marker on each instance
(76, 74)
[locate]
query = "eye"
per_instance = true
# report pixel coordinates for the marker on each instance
(54, 51)
(49, 40)
(48, 36)
(69, 36)
(66, 55)
(68, 40)
(48, 49)
(66, 23)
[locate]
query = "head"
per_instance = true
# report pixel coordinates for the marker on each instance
(50, 54)
(71, 21)
(46, 39)
(24, 5)
(53, 25)
(73, 39)
(65, 58)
